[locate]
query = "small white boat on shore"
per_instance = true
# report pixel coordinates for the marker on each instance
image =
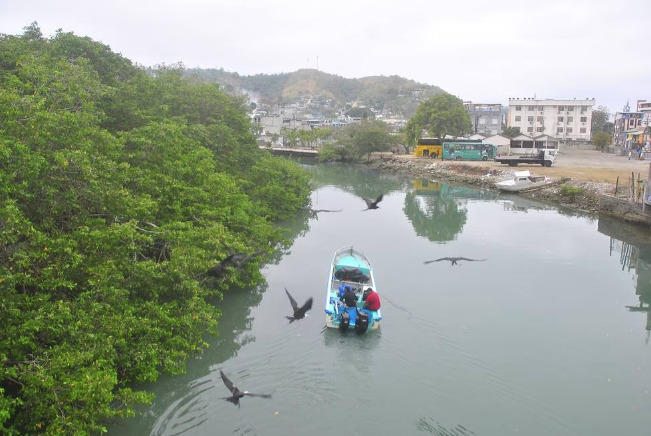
(523, 181)
(350, 268)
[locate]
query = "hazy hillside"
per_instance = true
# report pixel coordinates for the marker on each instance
(398, 94)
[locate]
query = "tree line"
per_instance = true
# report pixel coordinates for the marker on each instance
(130, 201)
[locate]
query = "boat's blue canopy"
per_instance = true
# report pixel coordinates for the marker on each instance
(352, 262)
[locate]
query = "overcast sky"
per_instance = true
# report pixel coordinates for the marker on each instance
(482, 51)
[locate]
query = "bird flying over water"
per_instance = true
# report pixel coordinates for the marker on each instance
(299, 312)
(370, 204)
(314, 212)
(236, 393)
(325, 210)
(454, 260)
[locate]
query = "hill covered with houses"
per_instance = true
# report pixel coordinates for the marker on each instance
(326, 94)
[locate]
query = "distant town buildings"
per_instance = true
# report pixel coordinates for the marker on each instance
(565, 120)
(543, 123)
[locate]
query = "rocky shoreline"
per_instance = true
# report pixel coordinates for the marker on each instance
(579, 195)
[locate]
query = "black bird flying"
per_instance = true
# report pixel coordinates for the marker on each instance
(299, 312)
(454, 260)
(236, 260)
(236, 393)
(370, 204)
(314, 213)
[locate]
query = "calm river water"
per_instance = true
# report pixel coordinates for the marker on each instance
(548, 336)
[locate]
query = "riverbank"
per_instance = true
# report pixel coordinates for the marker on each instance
(582, 177)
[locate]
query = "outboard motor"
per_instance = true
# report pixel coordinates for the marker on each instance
(361, 323)
(344, 321)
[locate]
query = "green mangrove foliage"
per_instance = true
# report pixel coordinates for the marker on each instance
(119, 190)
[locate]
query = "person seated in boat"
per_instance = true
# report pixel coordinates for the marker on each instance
(372, 300)
(349, 298)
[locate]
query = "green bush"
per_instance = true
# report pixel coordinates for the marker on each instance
(571, 190)
(602, 140)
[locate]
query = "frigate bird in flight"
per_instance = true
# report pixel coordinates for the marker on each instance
(236, 394)
(454, 260)
(314, 213)
(372, 204)
(299, 312)
(236, 260)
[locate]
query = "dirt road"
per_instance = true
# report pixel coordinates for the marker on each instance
(584, 165)
(593, 166)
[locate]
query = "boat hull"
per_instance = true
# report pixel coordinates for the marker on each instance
(523, 181)
(350, 267)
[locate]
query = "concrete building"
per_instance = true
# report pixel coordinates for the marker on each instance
(644, 107)
(565, 120)
(486, 119)
(628, 129)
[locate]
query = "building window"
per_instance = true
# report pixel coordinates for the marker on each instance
(584, 109)
(482, 121)
(532, 108)
(518, 108)
(539, 129)
(582, 130)
(584, 119)
(559, 130)
(518, 118)
(570, 119)
(561, 108)
(560, 119)
(539, 119)
(530, 119)
(529, 129)
(570, 108)
(494, 121)
(569, 130)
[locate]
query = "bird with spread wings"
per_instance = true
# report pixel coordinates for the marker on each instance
(236, 394)
(299, 312)
(454, 260)
(372, 204)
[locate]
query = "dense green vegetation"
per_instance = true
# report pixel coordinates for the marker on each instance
(119, 191)
(437, 117)
(355, 141)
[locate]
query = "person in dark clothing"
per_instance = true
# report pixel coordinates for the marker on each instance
(349, 298)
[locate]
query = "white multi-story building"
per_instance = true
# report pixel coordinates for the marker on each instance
(566, 120)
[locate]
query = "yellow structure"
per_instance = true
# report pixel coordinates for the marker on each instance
(428, 147)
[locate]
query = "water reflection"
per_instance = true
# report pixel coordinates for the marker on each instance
(360, 181)
(633, 244)
(438, 211)
(431, 426)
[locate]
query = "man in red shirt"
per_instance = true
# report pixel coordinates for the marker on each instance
(372, 300)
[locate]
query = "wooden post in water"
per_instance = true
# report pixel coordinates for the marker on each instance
(631, 191)
(617, 182)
